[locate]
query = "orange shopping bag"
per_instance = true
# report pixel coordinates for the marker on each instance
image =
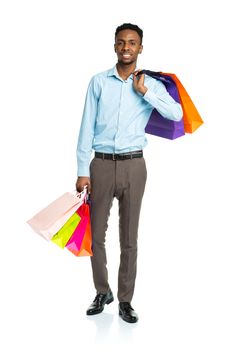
(191, 117)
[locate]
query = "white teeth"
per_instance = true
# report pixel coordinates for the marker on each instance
(126, 55)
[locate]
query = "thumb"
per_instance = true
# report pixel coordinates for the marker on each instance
(89, 187)
(135, 79)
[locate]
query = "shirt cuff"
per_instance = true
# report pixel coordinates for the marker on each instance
(83, 170)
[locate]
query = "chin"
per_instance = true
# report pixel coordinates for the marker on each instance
(125, 62)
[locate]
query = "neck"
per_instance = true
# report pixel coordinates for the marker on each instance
(125, 70)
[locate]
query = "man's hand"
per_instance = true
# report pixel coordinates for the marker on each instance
(138, 83)
(81, 182)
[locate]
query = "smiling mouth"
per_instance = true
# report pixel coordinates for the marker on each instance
(125, 55)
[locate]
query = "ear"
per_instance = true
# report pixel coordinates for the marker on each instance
(115, 47)
(141, 49)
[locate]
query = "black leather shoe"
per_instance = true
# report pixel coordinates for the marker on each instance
(127, 312)
(98, 304)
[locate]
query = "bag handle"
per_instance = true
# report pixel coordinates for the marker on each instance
(156, 75)
(81, 194)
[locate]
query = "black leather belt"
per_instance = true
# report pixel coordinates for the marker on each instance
(119, 156)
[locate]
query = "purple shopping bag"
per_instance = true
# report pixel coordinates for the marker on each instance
(158, 125)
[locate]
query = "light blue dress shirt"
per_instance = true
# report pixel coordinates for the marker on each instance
(115, 115)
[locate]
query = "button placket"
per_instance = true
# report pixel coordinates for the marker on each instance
(119, 114)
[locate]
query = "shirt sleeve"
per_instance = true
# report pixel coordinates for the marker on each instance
(87, 130)
(159, 98)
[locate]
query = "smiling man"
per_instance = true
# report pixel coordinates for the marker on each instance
(117, 108)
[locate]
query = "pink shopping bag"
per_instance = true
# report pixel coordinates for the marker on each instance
(49, 220)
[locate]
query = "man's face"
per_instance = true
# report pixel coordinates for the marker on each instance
(127, 46)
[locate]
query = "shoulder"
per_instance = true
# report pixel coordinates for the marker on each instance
(153, 83)
(97, 81)
(151, 80)
(101, 76)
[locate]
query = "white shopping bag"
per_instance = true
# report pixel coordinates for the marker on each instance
(49, 220)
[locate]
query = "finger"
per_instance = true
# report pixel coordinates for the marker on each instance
(136, 76)
(135, 81)
(79, 189)
(89, 188)
(138, 81)
(137, 71)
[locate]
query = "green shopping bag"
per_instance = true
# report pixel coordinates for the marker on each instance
(64, 234)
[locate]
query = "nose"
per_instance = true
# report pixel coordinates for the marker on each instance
(126, 46)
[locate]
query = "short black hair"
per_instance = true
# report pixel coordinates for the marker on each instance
(132, 27)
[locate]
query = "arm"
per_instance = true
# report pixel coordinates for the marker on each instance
(86, 136)
(159, 98)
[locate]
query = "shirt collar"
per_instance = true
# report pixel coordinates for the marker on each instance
(114, 72)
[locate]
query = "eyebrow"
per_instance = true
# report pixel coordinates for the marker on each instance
(125, 40)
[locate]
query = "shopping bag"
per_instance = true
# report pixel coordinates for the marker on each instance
(81, 241)
(63, 235)
(191, 117)
(157, 124)
(76, 239)
(86, 247)
(49, 220)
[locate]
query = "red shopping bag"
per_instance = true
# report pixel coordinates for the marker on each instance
(80, 243)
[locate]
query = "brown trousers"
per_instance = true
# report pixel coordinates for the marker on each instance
(125, 180)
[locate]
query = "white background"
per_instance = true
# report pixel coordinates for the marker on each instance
(49, 51)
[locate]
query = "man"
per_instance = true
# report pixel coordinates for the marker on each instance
(117, 108)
